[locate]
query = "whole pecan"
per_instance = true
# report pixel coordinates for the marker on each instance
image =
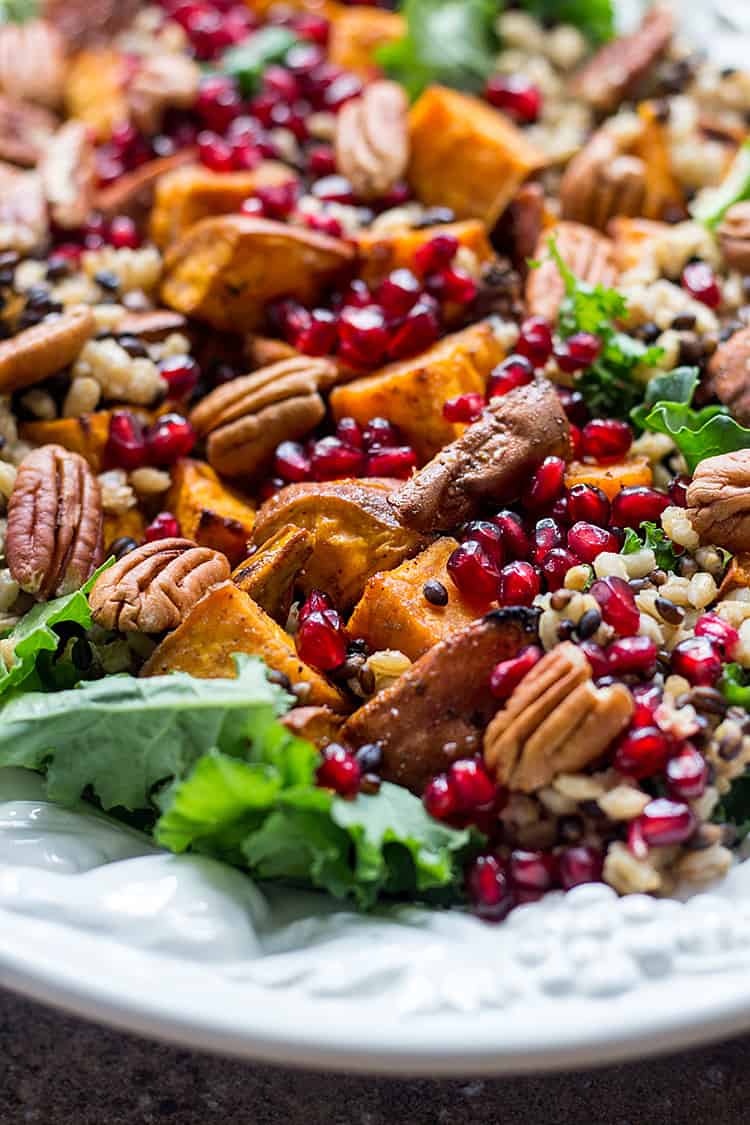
(68, 174)
(23, 210)
(555, 721)
(246, 419)
(54, 536)
(617, 68)
(589, 254)
(162, 81)
(153, 587)
(602, 181)
(734, 237)
(25, 131)
(729, 374)
(37, 352)
(32, 62)
(372, 139)
(718, 500)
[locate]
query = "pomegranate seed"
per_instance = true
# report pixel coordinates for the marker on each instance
(464, 408)
(578, 351)
(319, 335)
(291, 462)
(507, 675)
(724, 636)
(489, 537)
(357, 295)
(330, 459)
(215, 153)
(555, 565)
(472, 784)
(316, 602)
(664, 822)
(587, 541)
(547, 535)
(435, 254)
(579, 865)
(576, 442)
(340, 91)
(596, 657)
(606, 439)
(642, 752)
(587, 502)
(535, 340)
(439, 797)
(687, 774)
(324, 224)
(699, 280)
(515, 540)
(123, 233)
(632, 505)
(574, 405)
(321, 641)
(678, 490)
(697, 660)
(559, 510)
(170, 438)
(278, 200)
(516, 96)
(281, 82)
(546, 484)
(379, 432)
(304, 58)
(163, 526)
(398, 461)
(398, 292)
(126, 444)
(632, 654)
(474, 573)
(515, 371)
(321, 160)
(532, 870)
(617, 604)
(218, 102)
(519, 583)
(363, 336)
(419, 330)
(339, 770)
(252, 207)
(349, 431)
(488, 888)
(292, 318)
(333, 189)
(181, 373)
(458, 286)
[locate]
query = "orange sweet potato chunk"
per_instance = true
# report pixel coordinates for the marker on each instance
(466, 155)
(356, 34)
(610, 478)
(208, 511)
(86, 435)
(411, 392)
(95, 90)
(269, 575)
(381, 252)
(130, 523)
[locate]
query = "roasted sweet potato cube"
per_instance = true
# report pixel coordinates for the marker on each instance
(208, 511)
(318, 725)
(394, 613)
(633, 240)
(227, 269)
(466, 155)
(130, 524)
(737, 576)
(381, 251)
(133, 193)
(86, 435)
(610, 478)
(411, 392)
(663, 192)
(269, 575)
(95, 89)
(356, 34)
(227, 621)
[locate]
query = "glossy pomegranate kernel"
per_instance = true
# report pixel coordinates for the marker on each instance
(546, 484)
(458, 286)
(304, 58)
(340, 91)
(349, 431)
(699, 280)
(488, 535)
(506, 675)
(535, 340)
(555, 565)
(606, 439)
(547, 535)
(578, 351)
(215, 153)
(252, 207)
(281, 82)
(516, 96)
(617, 604)
(218, 102)
(488, 888)
(321, 160)
(163, 526)
(587, 541)
(278, 200)
(318, 337)
(534, 870)
(515, 540)
(316, 602)
(418, 331)
(574, 405)
(474, 572)
(321, 641)
(333, 189)
(363, 336)
(126, 444)
(379, 432)
(398, 292)
(439, 797)
(464, 408)
(678, 490)
(687, 774)
(596, 657)
(123, 233)
(642, 752)
(697, 660)
(170, 438)
(339, 770)
(396, 196)
(472, 784)
(392, 461)
(519, 583)
(181, 373)
(579, 865)
(587, 502)
(515, 371)
(310, 26)
(632, 654)
(324, 224)
(331, 459)
(291, 461)
(436, 254)
(724, 636)
(559, 510)
(576, 441)
(664, 822)
(632, 505)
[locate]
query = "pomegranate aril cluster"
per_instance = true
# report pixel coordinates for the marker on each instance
(321, 637)
(131, 446)
(373, 450)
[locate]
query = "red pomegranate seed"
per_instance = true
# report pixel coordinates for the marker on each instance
(687, 774)
(319, 336)
(123, 233)
(278, 200)
(330, 459)
(458, 286)
(291, 461)
(320, 643)
(587, 541)
(664, 822)
(632, 654)
(547, 535)
(170, 438)
(516, 96)
(532, 870)
(340, 91)
(519, 583)
(546, 484)
(357, 296)
(515, 371)
(339, 770)
(579, 865)
(163, 526)
(310, 26)
(474, 573)
(324, 224)
(697, 660)
(379, 433)
(464, 408)
(126, 444)
(439, 797)
(252, 207)
(576, 441)
(218, 102)
(724, 636)
(488, 888)
(349, 431)
(398, 292)
(181, 373)
(559, 510)
(606, 439)
(632, 505)
(596, 657)
(578, 351)
(587, 502)
(304, 58)
(489, 537)
(419, 330)
(515, 540)
(642, 752)
(472, 784)
(507, 675)
(535, 340)
(321, 160)
(281, 82)
(363, 336)
(555, 565)
(699, 280)
(215, 153)
(617, 604)
(333, 189)
(678, 490)
(397, 461)
(316, 602)
(574, 405)
(435, 254)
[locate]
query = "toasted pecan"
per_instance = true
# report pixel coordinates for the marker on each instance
(47, 347)
(587, 252)
(616, 69)
(729, 374)
(372, 139)
(23, 210)
(25, 130)
(153, 587)
(718, 500)
(89, 21)
(166, 80)
(602, 181)
(68, 174)
(54, 536)
(32, 62)
(555, 721)
(152, 324)
(733, 233)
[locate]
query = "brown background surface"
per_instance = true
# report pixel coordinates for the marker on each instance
(55, 1070)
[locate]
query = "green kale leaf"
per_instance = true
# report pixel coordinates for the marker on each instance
(657, 540)
(247, 61)
(712, 204)
(595, 18)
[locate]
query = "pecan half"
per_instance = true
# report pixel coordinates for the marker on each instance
(23, 210)
(68, 174)
(372, 139)
(729, 374)
(54, 537)
(40, 351)
(601, 182)
(734, 237)
(616, 69)
(25, 130)
(151, 325)
(718, 500)
(161, 82)
(555, 721)
(90, 21)
(246, 419)
(153, 587)
(32, 62)
(490, 461)
(589, 254)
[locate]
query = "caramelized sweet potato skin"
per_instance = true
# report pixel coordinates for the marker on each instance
(356, 533)
(208, 511)
(227, 621)
(86, 435)
(225, 270)
(380, 252)
(411, 392)
(95, 90)
(269, 575)
(436, 711)
(130, 524)
(610, 478)
(356, 33)
(467, 156)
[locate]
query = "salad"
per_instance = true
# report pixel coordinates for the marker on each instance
(375, 439)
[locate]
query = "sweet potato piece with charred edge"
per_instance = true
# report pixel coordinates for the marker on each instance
(269, 575)
(380, 252)
(208, 511)
(86, 435)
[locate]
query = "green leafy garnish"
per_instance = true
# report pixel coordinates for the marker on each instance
(595, 18)
(653, 537)
(735, 685)
(18, 11)
(712, 204)
(247, 61)
(734, 807)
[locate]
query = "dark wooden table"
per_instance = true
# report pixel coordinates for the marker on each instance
(55, 1070)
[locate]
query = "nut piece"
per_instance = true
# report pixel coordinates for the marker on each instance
(589, 254)
(729, 373)
(23, 210)
(734, 237)
(68, 175)
(555, 721)
(162, 82)
(90, 21)
(718, 500)
(153, 587)
(32, 62)
(601, 182)
(25, 131)
(615, 70)
(54, 537)
(372, 139)
(40, 351)
(246, 419)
